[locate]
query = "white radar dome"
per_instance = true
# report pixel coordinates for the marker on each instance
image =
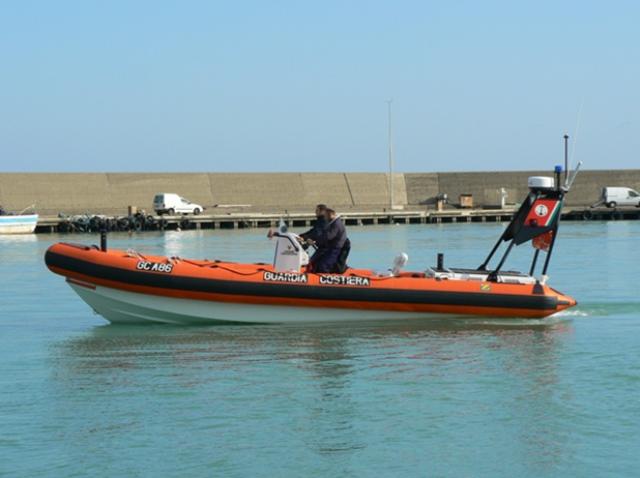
(541, 182)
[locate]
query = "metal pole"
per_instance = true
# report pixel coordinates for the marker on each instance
(103, 239)
(548, 258)
(533, 263)
(566, 156)
(391, 198)
(483, 266)
(519, 215)
(493, 275)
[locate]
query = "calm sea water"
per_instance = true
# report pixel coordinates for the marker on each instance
(82, 398)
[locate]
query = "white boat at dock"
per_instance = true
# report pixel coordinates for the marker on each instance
(18, 223)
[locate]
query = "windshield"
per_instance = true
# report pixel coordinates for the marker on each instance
(157, 198)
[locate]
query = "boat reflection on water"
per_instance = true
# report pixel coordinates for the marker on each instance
(129, 340)
(336, 389)
(124, 346)
(6, 240)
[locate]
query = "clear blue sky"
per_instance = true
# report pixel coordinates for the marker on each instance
(301, 86)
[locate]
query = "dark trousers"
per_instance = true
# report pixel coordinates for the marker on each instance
(325, 260)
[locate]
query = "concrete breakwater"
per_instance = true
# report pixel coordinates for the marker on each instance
(112, 193)
(140, 222)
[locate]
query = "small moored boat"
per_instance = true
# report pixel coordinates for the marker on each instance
(18, 223)
(130, 287)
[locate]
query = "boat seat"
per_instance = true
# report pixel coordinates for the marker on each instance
(341, 266)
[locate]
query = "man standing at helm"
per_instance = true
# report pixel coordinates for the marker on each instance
(330, 243)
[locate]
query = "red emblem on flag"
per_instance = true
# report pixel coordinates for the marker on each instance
(543, 241)
(541, 213)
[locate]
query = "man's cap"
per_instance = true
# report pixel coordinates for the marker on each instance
(321, 206)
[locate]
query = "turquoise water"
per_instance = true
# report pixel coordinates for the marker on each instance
(82, 398)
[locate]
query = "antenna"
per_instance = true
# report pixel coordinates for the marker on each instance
(575, 134)
(572, 177)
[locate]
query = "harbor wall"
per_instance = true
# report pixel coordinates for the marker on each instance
(422, 188)
(112, 193)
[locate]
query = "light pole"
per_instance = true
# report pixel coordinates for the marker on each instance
(391, 198)
(566, 156)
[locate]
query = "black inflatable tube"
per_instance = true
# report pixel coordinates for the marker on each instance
(266, 289)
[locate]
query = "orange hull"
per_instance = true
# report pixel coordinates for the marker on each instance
(358, 290)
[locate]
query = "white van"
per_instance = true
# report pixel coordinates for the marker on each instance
(614, 197)
(170, 203)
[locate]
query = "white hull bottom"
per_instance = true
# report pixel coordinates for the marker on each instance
(18, 224)
(17, 228)
(119, 306)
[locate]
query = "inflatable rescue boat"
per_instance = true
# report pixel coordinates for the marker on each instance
(131, 287)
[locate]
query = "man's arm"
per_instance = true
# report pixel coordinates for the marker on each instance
(307, 235)
(329, 233)
(332, 231)
(315, 232)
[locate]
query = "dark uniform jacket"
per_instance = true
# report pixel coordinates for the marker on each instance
(333, 236)
(316, 231)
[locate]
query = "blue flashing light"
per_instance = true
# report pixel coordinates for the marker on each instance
(557, 169)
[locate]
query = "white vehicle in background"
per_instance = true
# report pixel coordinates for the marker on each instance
(170, 203)
(617, 196)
